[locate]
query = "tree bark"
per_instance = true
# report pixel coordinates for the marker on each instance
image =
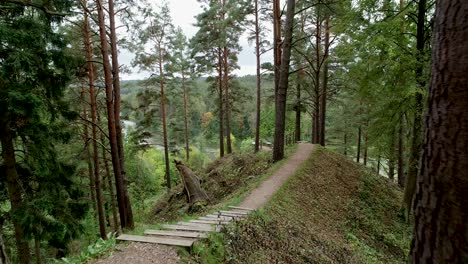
(92, 189)
(226, 102)
(297, 127)
(441, 207)
(221, 107)
(391, 158)
(366, 141)
(187, 145)
(323, 94)
(358, 156)
(118, 127)
(401, 151)
(257, 56)
(280, 104)
(92, 97)
(317, 88)
(163, 116)
(14, 190)
(195, 193)
(109, 182)
(277, 42)
(111, 119)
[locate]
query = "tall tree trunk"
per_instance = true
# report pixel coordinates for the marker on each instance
(366, 141)
(14, 190)
(111, 119)
(37, 250)
(163, 116)
(441, 207)
(323, 94)
(92, 189)
(109, 181)
(358, 156)
(317, 87)
(280, 104)
(416, 140)
(221, 107)
(277, 40)
(391, 158)
(118, 127)
(4, 259)
(297, 127)
(187, 145)
(379, 158)
(226, 102)
(259, 101)
(401, 151)
(92, 97)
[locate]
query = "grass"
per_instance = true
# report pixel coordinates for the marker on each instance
(331, 211)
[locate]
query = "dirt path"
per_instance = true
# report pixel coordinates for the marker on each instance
(259, 196)
(140, 253)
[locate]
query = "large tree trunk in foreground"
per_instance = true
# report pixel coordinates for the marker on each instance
(441, 207)
(196, 196)
(118, 128)
(280, 104)
(124, 219)
(14, 190)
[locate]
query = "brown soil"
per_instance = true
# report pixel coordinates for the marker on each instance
(259, 196)
(141, 253)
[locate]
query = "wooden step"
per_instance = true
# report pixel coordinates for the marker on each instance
(210, 222)
(229, 214)
(194, 224)
(157, 240)
(234, 212)
(241, 208)
(224, 219)
(176, 233)
(189, 228)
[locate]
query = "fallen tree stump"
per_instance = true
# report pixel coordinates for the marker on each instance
(196, 196)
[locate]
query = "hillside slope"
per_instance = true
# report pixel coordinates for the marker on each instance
(331, 211)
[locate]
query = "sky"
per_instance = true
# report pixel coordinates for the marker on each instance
(183, 13)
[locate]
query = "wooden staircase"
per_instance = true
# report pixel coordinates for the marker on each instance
(184, 234)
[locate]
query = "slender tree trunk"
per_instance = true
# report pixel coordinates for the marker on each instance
(401, 151)
(416, 141)
(109, 182)
(441, 207)
(37, 250)
(297, 128)
(358, 156)
(89, 162)
(391, 158)
(259, 101)
(379, 158)
(163, 116)
(92, 96)
(4, 259)
(366, 141)
(187, 145)
(227, 103)
(111, 119)
(280, 105)
(14, 190)
(323, 94)
(221, 107)
(277, 42)
(118, 128)
(345, 151)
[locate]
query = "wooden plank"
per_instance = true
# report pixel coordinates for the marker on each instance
(234, 212)
(231, 215)
(210, 222)
(176, 233)
(189, 228)
(194, 224)
(224, 219)
(241, 208)
(157, 240)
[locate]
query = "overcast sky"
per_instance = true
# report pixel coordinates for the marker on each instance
(183, 13)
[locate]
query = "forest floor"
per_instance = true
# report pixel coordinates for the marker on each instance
(141, 253)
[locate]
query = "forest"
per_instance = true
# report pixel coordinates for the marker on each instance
(87, 155)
